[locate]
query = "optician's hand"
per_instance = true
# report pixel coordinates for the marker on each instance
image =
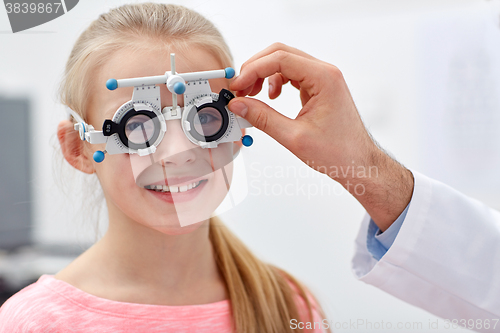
(327, 133)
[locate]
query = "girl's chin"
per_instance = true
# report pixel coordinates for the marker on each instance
(174, 228)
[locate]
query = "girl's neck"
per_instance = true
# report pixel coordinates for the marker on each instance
(134, 263)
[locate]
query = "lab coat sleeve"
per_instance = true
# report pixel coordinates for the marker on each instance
(445, 258)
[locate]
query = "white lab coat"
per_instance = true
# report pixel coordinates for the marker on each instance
(445, 258)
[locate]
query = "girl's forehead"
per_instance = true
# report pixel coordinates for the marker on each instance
(130, 63)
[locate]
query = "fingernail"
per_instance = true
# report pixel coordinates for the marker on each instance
(238, 108)
(235, 79)
(270, 89)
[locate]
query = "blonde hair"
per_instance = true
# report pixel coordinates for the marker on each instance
(263, 298)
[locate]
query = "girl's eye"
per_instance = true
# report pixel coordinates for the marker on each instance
(132, 126)
(208, 121)
(139, 129)
(206, 118)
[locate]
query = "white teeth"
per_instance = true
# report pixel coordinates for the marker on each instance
(173, 189)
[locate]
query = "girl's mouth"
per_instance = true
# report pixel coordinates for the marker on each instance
(177, 193)
(173, 188)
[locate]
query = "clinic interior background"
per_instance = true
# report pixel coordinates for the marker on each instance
(425, 76)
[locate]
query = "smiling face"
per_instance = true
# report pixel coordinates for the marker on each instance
(177, 185)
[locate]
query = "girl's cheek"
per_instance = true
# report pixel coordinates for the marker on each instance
(138, 164)
(115, 170)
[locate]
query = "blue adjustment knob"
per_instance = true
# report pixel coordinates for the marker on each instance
(112, 84)
(98, 156)
(247, 140)
(229, 72)
(179, 88)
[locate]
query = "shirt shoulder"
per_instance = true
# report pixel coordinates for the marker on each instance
(30, 309)
(52, 305)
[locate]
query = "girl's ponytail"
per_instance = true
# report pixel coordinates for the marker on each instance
(263, 297)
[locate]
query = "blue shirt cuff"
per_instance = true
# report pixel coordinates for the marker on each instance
(377, 242)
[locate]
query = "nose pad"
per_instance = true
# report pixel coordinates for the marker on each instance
(175, 149)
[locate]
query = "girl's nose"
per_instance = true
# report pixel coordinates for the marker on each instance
(175, 149)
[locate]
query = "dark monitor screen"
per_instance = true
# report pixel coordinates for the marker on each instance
(15, 174)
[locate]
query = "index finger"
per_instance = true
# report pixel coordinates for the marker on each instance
(276, 47)
(291, 66)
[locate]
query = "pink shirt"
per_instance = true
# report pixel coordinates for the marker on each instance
(51, 306)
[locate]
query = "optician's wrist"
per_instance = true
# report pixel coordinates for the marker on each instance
(384, 187)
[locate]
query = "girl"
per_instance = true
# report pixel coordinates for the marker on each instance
(152, 271)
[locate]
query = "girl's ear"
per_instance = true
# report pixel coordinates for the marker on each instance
(73, 148)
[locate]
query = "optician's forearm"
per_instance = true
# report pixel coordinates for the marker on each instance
(384, 189)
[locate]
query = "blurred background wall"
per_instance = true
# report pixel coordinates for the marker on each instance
(425, 76)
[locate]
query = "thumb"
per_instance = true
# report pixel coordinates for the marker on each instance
(263, 117)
